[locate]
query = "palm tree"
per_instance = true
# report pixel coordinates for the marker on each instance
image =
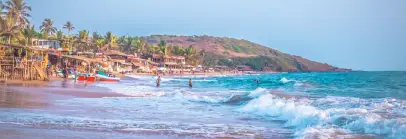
(69, 27)
(100, 43)
(202, 53)
(163, 48)
(18, 10)
(47, 27)
(29, 33)
(59, 35)
(190, 53)
(125, 43)
(162, 43)
(96, 36)
(110, 40)
(81, 42)
(140, 45)
(83, 35)
(9, 28)
(178, 50)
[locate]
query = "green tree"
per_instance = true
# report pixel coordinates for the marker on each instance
(59, 35)
(81, 42)
(152, 49)
(178, 50)
(162, 43)
(163, 48)
(140, 44)
(47, 27)
(96, 36)
(9, 28)
(83, 35)
(190, 56)
(100, 43)
(28, 33)
(111, 40)
(190, 51)
(19, 11)
(126, 43)
(202, 53)
(69, 26)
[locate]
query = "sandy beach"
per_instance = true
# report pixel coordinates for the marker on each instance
(43, 95)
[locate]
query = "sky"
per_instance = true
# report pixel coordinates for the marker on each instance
(356, 34)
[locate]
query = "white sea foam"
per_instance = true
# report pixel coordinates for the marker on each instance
(323, 133)
(285, 80)
(257, 92)
(200, 98)
(135, 91)
(303, 116)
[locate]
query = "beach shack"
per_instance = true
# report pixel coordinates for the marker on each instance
(79, 63)
(171, 63)
(117, 61)
(45, 44)
(138, 64)
(19, 62)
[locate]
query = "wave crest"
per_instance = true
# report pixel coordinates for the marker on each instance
(302, 115)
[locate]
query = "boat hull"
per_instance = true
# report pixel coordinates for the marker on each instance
(107, 79)
(91, 78)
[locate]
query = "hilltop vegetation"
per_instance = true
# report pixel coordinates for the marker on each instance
(233, 52)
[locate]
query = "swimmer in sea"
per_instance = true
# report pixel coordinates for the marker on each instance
(190, 82)
(158, 81)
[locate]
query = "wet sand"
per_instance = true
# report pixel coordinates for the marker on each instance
(41, 95)
(21, 132)
(38, 94)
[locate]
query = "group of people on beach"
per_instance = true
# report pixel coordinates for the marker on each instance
(158, 82)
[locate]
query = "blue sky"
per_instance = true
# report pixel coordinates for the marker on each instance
(357, 34)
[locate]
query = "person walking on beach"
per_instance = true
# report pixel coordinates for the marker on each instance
(190, 82)
(158, 81)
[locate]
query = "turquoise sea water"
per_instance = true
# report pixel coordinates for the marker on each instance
(286, 105)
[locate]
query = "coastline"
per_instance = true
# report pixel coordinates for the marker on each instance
(34, 94)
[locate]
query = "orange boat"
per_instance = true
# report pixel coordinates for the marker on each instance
(91, 79)
(82, 78)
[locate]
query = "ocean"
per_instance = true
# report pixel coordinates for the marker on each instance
(286, 105)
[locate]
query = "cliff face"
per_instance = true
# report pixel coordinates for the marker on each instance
(243, 52)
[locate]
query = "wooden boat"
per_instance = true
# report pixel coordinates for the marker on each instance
(105, 78)
(86, 77)
(82, 77)
(91, 78)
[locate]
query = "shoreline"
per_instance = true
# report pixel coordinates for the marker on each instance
(41, 94)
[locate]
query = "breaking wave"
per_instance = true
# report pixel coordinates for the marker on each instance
(331, 122)
(285, 80)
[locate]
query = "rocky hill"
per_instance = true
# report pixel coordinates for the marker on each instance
(233, 52)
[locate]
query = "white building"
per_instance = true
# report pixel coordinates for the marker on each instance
(45, 44)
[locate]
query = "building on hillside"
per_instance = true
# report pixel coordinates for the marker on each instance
(172, 63)
(45, 44)
(221, 68)
(244, 68)
(140, 65)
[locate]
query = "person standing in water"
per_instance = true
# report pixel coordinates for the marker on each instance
(190, 82)
(158, 81)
